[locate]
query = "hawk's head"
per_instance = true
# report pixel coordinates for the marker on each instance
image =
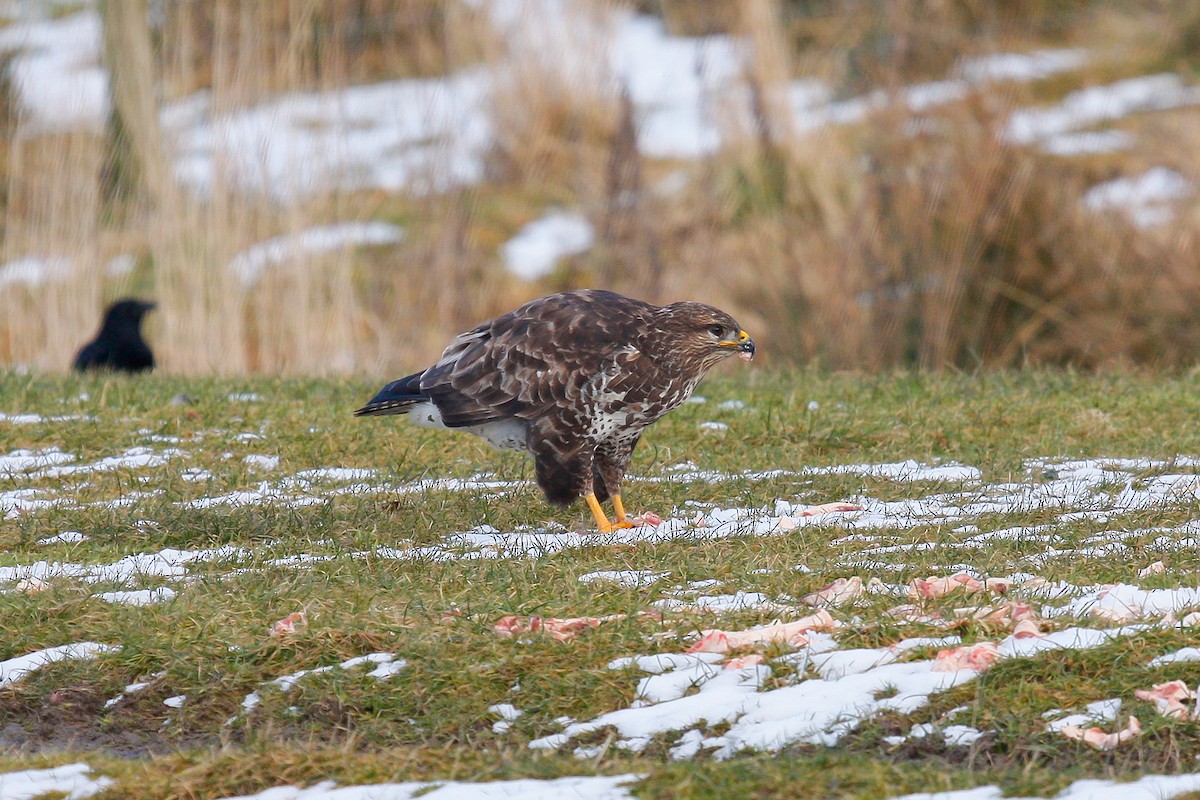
(703, 333)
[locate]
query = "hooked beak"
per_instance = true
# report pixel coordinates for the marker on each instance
(745, 346)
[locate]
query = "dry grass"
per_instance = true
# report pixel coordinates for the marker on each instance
(861, 244)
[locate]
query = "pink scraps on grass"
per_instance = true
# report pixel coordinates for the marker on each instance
(840, 592)
(1099, 739)
(977, 657)
(719, 641)
(288, 625)
(1168, 699)
(933, 586)
(561, 629)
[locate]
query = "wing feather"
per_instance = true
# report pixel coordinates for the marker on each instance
(526, 362)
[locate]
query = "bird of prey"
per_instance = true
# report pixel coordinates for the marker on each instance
(119, 344)
(573, 378)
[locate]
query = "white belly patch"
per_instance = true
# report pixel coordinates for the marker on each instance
(505, 434)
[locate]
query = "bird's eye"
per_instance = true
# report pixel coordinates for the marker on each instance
(716, 330)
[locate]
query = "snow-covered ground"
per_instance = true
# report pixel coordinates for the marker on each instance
(689, 94)
(688, 691)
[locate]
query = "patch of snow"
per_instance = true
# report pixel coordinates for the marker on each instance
(261, 462)
(264, 494)
(692, 691)
(68, 537)
(386, 665)
(1183, 654)
(1087, 107)
(537, 247)
(738, 601)
(423, 135)
(1148, 787)
(140, 597)
(1120, 601)
(624, 577)
(1093, 713)
(334, 474)
(1023, 67)
(120, 266)
(608, 787)
(132, 688)
(902, 471)
(507, 713)
(57, 71)
(26, 460)
(1087, 143)
(168, 564)
(33, 271)
(249, 265)
(1145, 198)
(14, 669)
(133, 458)
(74, 781)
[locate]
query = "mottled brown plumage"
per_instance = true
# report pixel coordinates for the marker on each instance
(573, 378)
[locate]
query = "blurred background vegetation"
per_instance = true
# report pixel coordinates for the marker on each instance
(870, 200)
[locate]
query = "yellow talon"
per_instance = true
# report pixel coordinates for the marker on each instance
(602, 522)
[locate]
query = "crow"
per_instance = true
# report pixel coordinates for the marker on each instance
(119, 344)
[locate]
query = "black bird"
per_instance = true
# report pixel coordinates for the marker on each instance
(119, 344)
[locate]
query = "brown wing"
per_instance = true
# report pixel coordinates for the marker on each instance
(526, 362)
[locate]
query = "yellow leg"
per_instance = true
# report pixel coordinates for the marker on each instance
(618, 508)
(601, 520)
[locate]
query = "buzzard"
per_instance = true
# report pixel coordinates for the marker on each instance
(573, 378)
(119, 344)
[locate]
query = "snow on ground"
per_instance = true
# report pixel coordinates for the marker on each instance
(140, 597)
(33, 271)
(1069, 487)
(249, 265)
(60, 81)
(1022, 67)
(385, 666)
(689, 95)
(75, 781)
(27, 460)
(690, 693)
(1149, 787)
(1146, 198)
(14, 669)
(535, 250)
(833, 690)
(425, 135)
(624, 577)
(577, 788)
(1096, 104)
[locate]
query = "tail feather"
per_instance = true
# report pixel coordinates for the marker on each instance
(398, 397)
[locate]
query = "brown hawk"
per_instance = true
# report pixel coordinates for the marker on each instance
(573, 378)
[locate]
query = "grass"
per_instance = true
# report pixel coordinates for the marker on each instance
(431, 719)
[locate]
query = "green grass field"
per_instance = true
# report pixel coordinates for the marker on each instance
(260, 498)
